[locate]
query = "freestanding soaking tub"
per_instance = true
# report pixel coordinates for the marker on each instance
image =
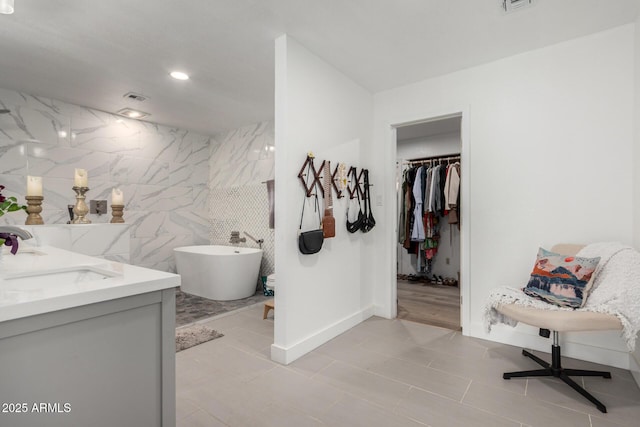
(217, 272)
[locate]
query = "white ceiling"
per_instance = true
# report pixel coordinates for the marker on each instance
(91, 52)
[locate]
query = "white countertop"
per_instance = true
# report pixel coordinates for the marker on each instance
(34, 281)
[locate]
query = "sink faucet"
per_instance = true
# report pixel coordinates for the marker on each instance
(17, 231)
(9, 235)
(235, 238)
(258, 241)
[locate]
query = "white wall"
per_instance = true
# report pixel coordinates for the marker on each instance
(550, 136)
(317, 109)
(434, 145)
(635, 357)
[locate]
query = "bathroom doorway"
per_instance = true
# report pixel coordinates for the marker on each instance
(428, 235)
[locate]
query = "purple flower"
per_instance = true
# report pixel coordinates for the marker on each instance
(10, 240)
(9, 204)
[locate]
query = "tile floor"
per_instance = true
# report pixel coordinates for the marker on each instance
(383, 373)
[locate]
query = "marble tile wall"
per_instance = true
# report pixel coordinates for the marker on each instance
(162, 171)
(107, 241)
(243, 208)
(242, 156)
(240, 162)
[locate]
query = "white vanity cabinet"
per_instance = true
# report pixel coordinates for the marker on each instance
(99, 351)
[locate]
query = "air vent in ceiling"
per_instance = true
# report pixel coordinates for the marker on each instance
(513, 5)
(134, 97)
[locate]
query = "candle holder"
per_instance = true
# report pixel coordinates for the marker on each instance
(116, 211)
(34, 207)
(80, 209)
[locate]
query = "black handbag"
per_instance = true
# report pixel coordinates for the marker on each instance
(310, 242)
(352, 227)
(368, 221)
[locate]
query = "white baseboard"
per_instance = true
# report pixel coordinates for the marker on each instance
(528, 338)
(634, 366)
(287, 355)
(381, 311)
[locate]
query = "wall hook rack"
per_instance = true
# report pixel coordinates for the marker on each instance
(352, 181)
(308, 164)
(355, 183)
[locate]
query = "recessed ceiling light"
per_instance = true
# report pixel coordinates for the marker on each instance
(179, 75)
(6, 7)
(133, 114)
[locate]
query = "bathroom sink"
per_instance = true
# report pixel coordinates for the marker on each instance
(27, 252)
(60, 276)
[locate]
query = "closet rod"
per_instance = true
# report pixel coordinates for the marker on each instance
(432, 158)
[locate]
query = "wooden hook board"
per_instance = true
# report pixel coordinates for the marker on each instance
(315, 180)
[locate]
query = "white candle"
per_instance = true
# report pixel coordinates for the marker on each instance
(81, 178)
(117, 198)
(34, 186)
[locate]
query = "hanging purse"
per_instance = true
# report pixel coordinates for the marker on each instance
(352, 227)
(310, 242)
(368, 222)
(328, 221)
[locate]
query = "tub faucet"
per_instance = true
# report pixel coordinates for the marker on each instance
(258, 241)
(235, 238)
(70, 208)
(17, 231)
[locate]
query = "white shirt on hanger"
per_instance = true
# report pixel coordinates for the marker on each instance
(451, 187)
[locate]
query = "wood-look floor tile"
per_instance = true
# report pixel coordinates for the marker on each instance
(377, 389)
(526, 410)
(355, 412)
(442, 383)
(437, 411)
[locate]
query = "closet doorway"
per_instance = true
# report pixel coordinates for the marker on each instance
(428, 169)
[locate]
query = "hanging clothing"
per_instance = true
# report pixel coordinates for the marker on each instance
(434, 202)
(443, 177)
(427, 194)
(409, 202)
(417, 233)
(452, 193)
(433, 235)
(402, 210)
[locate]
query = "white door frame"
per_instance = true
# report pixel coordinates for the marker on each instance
(465, 293)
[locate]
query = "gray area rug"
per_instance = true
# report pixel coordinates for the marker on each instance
(190, 308)
(193, 335)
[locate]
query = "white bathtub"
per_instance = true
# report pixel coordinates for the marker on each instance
(219, 273)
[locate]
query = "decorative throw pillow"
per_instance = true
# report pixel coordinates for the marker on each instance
(562, 280)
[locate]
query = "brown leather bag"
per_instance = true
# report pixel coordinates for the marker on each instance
(328, 221)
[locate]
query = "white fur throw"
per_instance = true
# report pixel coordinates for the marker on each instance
(615, 291)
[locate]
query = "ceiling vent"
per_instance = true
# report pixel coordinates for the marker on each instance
(134, 97)
(513, 5)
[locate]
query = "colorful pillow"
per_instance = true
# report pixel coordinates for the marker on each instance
(562, 280)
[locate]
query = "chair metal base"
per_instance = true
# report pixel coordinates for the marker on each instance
(556, 370)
